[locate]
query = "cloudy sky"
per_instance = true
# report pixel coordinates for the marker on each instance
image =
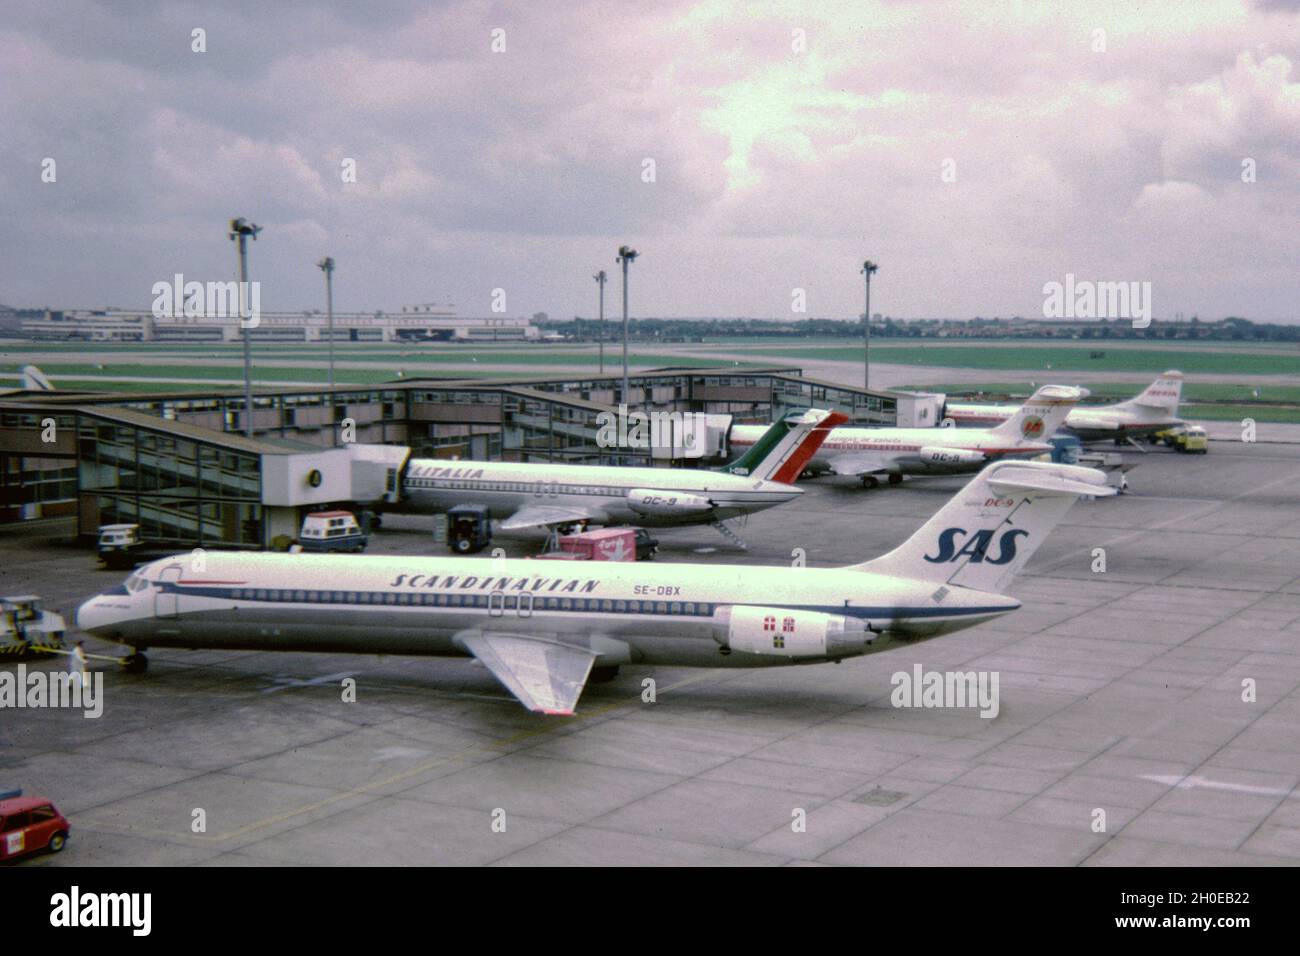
(974, 150)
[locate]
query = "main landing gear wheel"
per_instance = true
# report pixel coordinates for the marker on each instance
(602, 675)
(895, 479)
(135, 663)
(870, 481)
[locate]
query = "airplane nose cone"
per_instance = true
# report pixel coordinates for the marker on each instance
(90, 616)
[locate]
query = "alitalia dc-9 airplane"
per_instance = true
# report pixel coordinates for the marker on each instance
(527, 495)
(544, 629)
(868, 453)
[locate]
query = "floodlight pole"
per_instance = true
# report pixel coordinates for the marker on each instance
(326, 265)
(240, 230)
(626, 255)
(600, 278)
(868, 267)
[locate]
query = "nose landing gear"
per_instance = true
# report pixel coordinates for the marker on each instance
(135, 663)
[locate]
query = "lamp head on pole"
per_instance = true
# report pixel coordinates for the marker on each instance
(242, 227)
(868, 267)
(626, 254)
(600, 276)
(326, 265)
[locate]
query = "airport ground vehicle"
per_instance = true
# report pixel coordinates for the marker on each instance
(604, 544)
(29, 825)
(1065, 449)
(1068, 450)
(25, 627)
(332, 531)
(121, 547)
(646, 546)
(469, 528)
(1191, 439)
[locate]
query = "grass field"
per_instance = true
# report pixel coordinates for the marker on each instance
(412, 365)
(1284, 414)
(412, 357)
(1057, 358)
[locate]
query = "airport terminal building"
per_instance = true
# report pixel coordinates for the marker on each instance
(419, 324)
(180, 465)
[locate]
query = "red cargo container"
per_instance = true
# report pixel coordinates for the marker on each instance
(604, 544)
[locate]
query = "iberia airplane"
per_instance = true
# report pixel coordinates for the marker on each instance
(543, 629)
(869, 452)
(1154, 410)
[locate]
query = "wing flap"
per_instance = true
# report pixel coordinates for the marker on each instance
(544, 516)
(859, 464)
(547, 677)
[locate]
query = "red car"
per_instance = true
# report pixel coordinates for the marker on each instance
(29, 824)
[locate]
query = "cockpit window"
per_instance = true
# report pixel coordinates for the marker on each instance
(135, 583)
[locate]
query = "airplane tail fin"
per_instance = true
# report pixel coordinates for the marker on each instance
(784, 450)
(987, 532)
(1039, 418)
(1164, 393)
(34, 380)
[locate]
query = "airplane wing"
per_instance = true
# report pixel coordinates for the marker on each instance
(861, 463)
(546, 676)
(545, 516)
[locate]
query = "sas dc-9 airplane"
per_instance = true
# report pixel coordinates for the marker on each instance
(525, 495)
(545, 629)
(867, 453)
(1154, 410)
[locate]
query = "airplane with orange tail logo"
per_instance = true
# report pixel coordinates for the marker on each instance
(1152, 411)
(868, 453)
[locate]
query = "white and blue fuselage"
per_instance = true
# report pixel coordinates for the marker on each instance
(622, 612)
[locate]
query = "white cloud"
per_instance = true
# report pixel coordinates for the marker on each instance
(775, 167)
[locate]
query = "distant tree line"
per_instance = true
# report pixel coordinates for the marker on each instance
(699, 330)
